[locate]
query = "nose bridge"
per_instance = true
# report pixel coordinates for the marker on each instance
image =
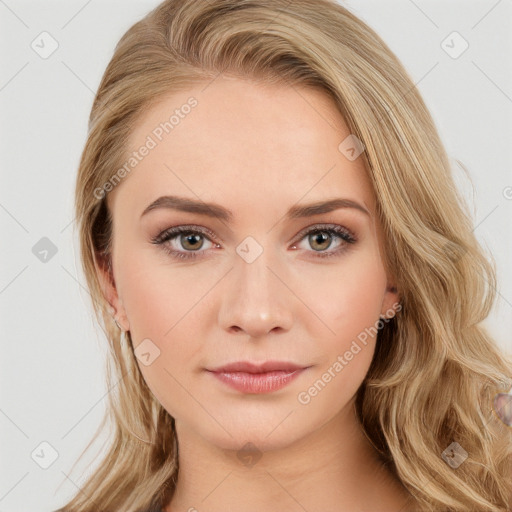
(255, 277)
(254, 299)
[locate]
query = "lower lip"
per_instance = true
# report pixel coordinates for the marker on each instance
(258, 382)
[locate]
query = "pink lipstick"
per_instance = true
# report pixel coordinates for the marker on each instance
(266, 377)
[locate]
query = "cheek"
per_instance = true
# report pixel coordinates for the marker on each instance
(347, 297)
(349, 304)
(168, 306)
(156, 296)
(350, 307)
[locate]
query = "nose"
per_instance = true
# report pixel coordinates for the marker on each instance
(256, 299)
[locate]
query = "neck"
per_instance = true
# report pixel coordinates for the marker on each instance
(333, 468)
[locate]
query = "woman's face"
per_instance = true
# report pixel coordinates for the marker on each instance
(255, 284)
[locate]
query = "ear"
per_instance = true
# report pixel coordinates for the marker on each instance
(391, 302)
(106, 279)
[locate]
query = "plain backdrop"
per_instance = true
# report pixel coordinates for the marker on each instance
(52, 355)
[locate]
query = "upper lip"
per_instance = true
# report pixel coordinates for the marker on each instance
(249, 367)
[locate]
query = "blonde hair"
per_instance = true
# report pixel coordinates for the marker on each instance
(436, 369)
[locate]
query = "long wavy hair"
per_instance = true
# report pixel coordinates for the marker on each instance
(435, 369)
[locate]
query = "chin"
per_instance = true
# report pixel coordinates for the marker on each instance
(265, 434)
(250, 443)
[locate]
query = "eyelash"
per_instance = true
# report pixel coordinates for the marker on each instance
(332, 229)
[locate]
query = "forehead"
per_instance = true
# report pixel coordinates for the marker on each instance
(234, 137)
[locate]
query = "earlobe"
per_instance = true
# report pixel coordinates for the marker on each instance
(106, 279)
(108, 287)
(391, 303)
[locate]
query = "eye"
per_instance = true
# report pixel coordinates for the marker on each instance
(186, 242)
(320, 238)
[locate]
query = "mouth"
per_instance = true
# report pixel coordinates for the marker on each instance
(266, 377)
(263, 367)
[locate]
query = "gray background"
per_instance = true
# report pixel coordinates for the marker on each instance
(52, 384)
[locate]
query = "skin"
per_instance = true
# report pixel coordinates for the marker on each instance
(257, 150)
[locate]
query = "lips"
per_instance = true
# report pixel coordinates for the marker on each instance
(257, 378)
(264, 367)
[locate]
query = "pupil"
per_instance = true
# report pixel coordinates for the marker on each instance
(188, 238)
(323, 238)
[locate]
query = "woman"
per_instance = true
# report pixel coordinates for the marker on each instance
(286, 274)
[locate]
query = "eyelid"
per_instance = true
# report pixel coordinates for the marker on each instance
(345, 235)
(323, 225)
(204, 230)
(185, 227)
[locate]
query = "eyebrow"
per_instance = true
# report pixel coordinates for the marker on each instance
(216, 211)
